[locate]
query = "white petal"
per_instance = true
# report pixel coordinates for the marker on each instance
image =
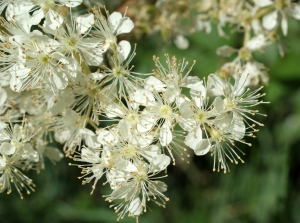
(89, 156)
(60, 57)
(106, 137)
(7, 148)
(97, 171)
(54, 154)
(263, 3)
(125, 26)
(269, 21)
(71, 3)
(193, 83)
(144, 97)
(17, 10)
(171, 93)
(126, 166)
(158, 187)
(239, 128)
(85, 22)
(296, 12)
(3, 134)
(114, 19)
(202, 147)
(152, 83)
(15, 84)
(52, 21)
(18, 40)
(113, 110)
(255, 24)
(219, 104)
(36, 17)
(124, 129)
(2, 126)
(159, 163)
(3, 96)
(181, 42)
(93, 57)
(193, 138)
(135, 207)
(146, 122)
(226, 51)
(243, 81)
(124, 48)
(60, 81)
(62, 136)
(120, 192)
(98, 76)
(150, 152)
(257, 42)
(2, 163)
(215, 84)
(28, 153)
(284, 24)
(165, 134)
(187, 124)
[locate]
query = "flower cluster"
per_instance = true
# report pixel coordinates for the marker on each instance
(260, 22)
(71, 75)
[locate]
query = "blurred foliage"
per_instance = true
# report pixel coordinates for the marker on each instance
(264, 189)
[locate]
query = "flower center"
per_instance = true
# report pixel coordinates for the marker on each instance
(245, 54)
(111, 41)
(44, 60)
(165, 111)
(217, 135)
(201, 117)
(129, 151)
(133, 118)
(71, 42)
(118, 72)
(229, 103)
(141, 175)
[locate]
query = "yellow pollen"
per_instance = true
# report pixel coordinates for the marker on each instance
(129, 151)
(165, 111)
(217, 135)
(71, 42)
(132, 118)
(118, 72)
(202, 117)
(45, 60)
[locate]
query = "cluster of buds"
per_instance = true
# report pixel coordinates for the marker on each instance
(181, 18)
(261, 22)
(71, 76)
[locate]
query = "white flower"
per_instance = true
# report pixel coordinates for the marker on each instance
(171, 79)
(70, 130)
(257, 42)
(16, 154)
(140, 187)
(95, 168)
(108, 29)
(181, 42)
(282, 9)
(72, 38)
(35, 10)
(42, 64)
(235, 98)
(121, 76)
